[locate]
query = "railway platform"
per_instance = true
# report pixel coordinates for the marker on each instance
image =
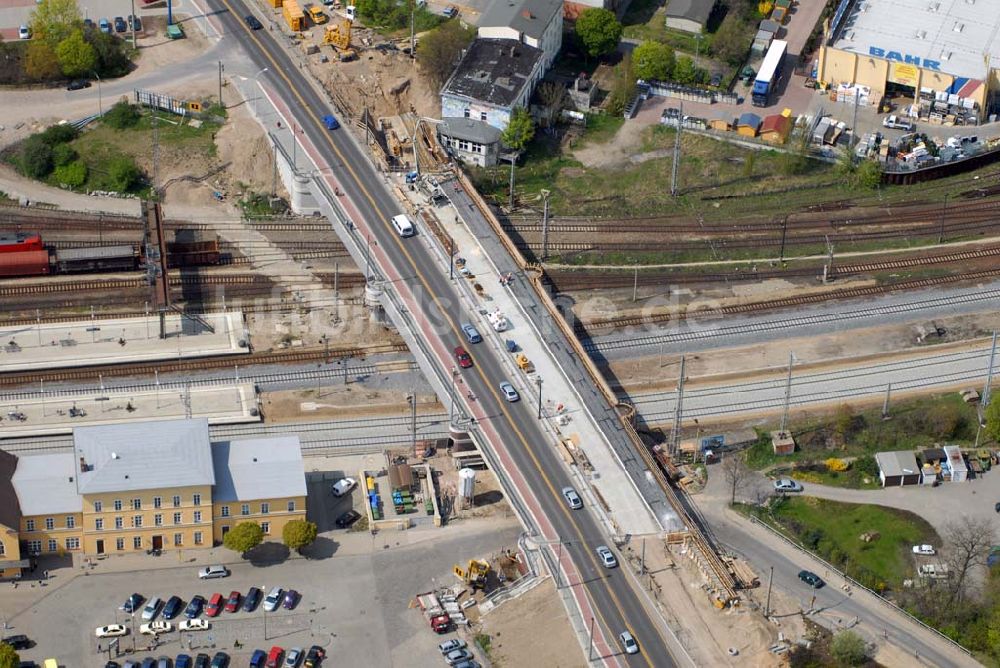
(48, 413)
(93, 341)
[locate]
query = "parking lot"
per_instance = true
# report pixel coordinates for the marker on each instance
(356, 589)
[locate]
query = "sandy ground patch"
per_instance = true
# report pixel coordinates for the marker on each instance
(339, 401)
(615, 153)
(532, 630)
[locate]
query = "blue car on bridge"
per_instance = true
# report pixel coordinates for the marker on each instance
(330, 122)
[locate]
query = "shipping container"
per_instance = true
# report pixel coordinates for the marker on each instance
(27, 263)
(16, 242)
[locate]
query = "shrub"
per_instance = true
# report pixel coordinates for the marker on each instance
(63, 154)
(866, 465)
(123, 174)
(36, 157)
(59, 134)
(836, 464)
(73, 174)
(944, 420)
(849, 648)
(122, 116)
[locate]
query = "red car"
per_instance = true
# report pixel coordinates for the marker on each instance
(214, 606)
(233, 604)
(274, 657)
(464, 360)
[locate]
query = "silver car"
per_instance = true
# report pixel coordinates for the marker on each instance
(607, 556)
(572, 498)
(628, 643)
(509, 393)
(787, 485)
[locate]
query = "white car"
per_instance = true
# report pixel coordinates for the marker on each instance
(193, 625)
(24, 32)
(211, 572)
(111, 631)
(157, 627)
(451, 645)
(273, 599)
(924, 549)
(293, 657)
(628, 643)
(787, 485)
(508, 391)
(343, 486)
(607, 556)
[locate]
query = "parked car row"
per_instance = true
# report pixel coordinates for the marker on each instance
(277, 657)
(457, 654)
(195, 608)
(220, 660)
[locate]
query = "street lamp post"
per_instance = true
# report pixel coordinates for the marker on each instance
(100, 101)
(263, 609)
(538, 381)
(256, 83)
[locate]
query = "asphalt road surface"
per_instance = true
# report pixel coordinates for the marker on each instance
(617, 604)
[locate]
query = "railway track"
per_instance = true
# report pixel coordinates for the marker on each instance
(569, 280)
(801, 300)
(320, 355)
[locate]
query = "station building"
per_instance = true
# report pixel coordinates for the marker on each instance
(941, 56)
(159, 485)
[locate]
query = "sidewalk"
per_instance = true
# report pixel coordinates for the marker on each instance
(567, 416)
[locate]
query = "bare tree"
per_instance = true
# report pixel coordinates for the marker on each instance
(734, 468)
(969, 544)
(553, 96)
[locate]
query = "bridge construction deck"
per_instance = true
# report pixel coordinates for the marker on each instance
(90, 342)
(45, 413)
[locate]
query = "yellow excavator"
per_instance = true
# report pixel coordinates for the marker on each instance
(339, 37)
(475, 574)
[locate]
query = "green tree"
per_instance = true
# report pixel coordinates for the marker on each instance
(729, 44)
(40, 63)
(992, 417)
(298, 533)
(63, 154)
(112, 53)
(243, 537)
(76, 56)
(59, 134)
(653, 61)
(849, 648)
(868, 175)
(73, 174)
(54, 20)
(8, 657)
(685, 71)
(123, 174)
(36, 157)
(599, 31)
(440, 49)
(520, 130)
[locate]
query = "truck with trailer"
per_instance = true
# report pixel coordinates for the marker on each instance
(769, 74)
(438, 619)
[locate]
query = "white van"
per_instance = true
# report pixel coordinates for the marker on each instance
(403, 225)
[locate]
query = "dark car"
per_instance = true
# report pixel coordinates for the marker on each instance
(135, 22)
(314, 656)
(716, 80)
(996, 507)
(149, 662)
(348, 518)
(133, 603)
(258, 658)
(173, 607)
(291, 599)
(220, 660)
(18, 642)
(202, 661)
(233, 602)
(251, 600)
(88, 24)
(252, 22)
(120, 25)
(195, 607)
(463, 357)
(79, 84)
(811, 579)
(182, 661)
(114, 664)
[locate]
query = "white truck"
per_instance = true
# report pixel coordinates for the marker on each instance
(498, 320)
(898, 122)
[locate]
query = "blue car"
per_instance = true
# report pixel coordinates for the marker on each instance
(258, 658)
(173, 607)
(194, 607)
(182, 661)
(330, 122)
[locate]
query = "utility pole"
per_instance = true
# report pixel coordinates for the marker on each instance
(590, 648)
(413, 42)
(133, 24)
(767, 606)
(510, 200)
(784, 231)
(222, 68)
(675, 431)
(677, 153)
(828, 267)
(545, 224)
(336, 292)
(854, 127)
(538, 381)
(635, 283)
(413, 419)
(885, 404)
(788, 394)
(985, 399)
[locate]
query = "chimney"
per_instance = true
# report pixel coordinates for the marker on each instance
(83, 465)
(527, 14)
(512, 51)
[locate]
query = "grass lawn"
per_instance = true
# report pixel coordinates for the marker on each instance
(851, 478)
(915, 424)
(179, 141)
(832, 530)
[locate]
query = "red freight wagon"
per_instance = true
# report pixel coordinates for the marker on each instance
(16, 242)
(28, 263)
